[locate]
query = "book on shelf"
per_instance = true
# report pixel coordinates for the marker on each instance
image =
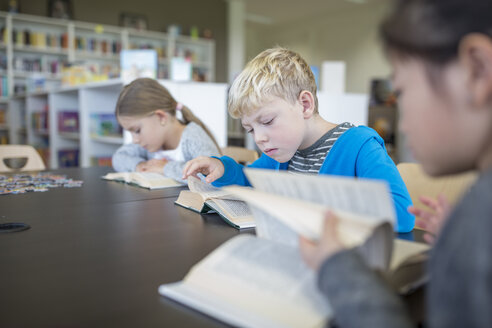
(205, 198)
(149, 180)
(138, 63)
(68, 157)
(105, 124)
(68, 121)
(262, 281)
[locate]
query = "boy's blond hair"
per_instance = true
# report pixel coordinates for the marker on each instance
(274, 72)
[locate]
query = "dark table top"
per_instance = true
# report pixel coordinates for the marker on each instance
(95, 256)
(94, 190)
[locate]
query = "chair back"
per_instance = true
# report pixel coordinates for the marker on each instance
(240, 154)
(420, 184)
(26, 155)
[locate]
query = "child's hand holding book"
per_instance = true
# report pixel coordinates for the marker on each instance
(432, 218)
(314, 253)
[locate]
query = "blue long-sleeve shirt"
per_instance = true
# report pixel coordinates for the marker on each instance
(359, 152)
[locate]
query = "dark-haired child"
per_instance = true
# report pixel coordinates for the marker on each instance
(441, 54)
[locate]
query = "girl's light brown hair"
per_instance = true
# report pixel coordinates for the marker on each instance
(144, 96)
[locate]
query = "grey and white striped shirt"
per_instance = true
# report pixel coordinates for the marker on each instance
(309, 160)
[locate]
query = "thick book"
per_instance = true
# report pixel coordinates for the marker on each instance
(205, 198)
(262, 281)
(147, 180)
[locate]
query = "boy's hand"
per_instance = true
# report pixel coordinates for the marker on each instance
(212, 168)
(314, 253)
(152, 165)
(431, 220)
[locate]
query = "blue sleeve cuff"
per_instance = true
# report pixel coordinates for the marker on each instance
(233, 173)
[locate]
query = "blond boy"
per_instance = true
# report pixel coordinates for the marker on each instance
(275, 98)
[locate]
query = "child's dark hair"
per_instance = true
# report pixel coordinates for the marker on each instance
(144, 96)
(431, 30)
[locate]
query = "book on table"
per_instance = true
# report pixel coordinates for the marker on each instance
(205, 198)
(262, 281)
(147, 180)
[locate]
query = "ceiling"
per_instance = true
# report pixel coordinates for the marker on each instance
(275, 12)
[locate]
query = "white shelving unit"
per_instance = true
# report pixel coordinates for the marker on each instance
(98, 46)
(38, 136)
(37, 49)
(97, 99)
(206, 100)
(42, 45)
(26, 67)
(200, 51)
(17, 119)
(153, 40)
(62, 101)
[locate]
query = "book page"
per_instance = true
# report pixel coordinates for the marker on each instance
(360, 196)
(153, 180)
(207, 190)
(149, 180)
(235, 208)
(117, 176)
(273, 282)
(369, 198)
(301, 217)
(235, 211)
(272, 228)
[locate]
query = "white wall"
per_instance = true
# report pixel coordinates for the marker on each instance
(348, 36)
(343, 107)
(207, 101)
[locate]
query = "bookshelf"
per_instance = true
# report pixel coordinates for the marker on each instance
(38, 124)
(17, 120)
(200, 52)
(33, 52)
(160, 42)
(37, 49)
(97, 99)
(64, 144)
(98, 47)
(37, 119)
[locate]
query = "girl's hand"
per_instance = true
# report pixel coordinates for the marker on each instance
(152, 165)
(212, 168)
(314, 253)
(431, 219)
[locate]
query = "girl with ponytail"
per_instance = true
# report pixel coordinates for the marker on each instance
(165, 133)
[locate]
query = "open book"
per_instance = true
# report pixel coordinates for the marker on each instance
(147, 180)
(205, 198)
(262, 281)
